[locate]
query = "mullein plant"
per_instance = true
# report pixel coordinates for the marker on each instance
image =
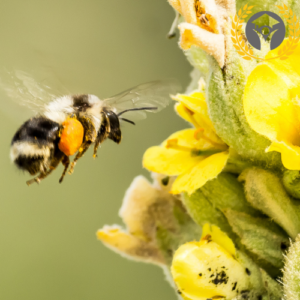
(222, 215)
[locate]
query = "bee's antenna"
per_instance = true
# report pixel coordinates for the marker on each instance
(139, 108)
(126, 120)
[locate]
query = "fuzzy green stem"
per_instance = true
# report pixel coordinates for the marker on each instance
(291, 274)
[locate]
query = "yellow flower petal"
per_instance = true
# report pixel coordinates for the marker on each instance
(185, 114)
(198, 116)
(200, 173)
(218, 236)
(128, 245)
(269, 108)
(168, 161)
(195, 102)
(185, 138)
(114, 236)
(288, 68)
(176, 5)
(290, 155)
(206, 270)
(189, 11)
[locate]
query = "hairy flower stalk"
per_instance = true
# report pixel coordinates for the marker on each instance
(222, 217)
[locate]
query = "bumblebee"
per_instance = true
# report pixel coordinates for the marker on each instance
(69, 125)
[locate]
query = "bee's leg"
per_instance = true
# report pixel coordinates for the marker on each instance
(97, 144)
(66, 162)
(39, 178)
(57, 158)
(84, 147)
(90, 133)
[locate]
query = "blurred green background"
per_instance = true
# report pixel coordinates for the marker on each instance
(48, 245)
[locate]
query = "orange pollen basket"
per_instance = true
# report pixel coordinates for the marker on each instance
(71, 136)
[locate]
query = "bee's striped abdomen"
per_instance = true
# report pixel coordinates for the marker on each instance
(34, 143)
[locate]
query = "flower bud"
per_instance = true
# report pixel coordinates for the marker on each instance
(265, 240)
(291, 182)
(203, 211)
(264, 191)
(207, 204)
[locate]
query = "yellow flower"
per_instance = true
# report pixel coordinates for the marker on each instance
(209, 269)
(204, 25)
(194, 155)
(272, 105)
(156, 223)
(137, 240)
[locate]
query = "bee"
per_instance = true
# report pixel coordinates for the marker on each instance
(69, 125)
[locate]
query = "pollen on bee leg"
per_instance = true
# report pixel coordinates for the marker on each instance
(71, 136)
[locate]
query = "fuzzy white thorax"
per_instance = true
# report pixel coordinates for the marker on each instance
(59, 109)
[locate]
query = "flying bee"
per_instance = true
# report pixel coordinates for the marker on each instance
(70, 124)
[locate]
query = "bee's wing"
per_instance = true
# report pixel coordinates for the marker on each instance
(155, 94)
(21, 88)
